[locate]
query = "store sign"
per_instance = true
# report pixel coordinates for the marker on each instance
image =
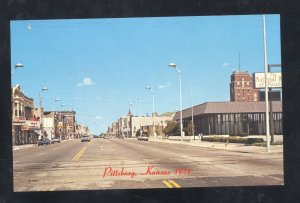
(60, 124)
(33, 125)
(273, 79)
(24, 127)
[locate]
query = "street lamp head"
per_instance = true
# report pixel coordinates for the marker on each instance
(57, 99)
(19, 65)
(148, 87)
(172, 65)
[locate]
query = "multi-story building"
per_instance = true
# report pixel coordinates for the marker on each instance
(25, 123)
(60, 124)
(145, 123)
(241, 87)
(81, 130)
(49, 124)
(129, 126)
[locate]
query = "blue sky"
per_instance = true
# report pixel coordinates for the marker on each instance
(99, 66)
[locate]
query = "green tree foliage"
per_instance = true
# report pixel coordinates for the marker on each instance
(172, 128)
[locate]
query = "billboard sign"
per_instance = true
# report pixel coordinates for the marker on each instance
(273, 79)
(33, 125)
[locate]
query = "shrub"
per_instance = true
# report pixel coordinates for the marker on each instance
(233, 139)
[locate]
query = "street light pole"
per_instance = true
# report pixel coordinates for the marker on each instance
(138, 99)
(55, 100)
(41, 110)
(150, 89)
(61, 120)
(193, 130)
(266, 86)
(173, 65)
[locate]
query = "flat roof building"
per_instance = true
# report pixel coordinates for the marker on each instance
(232, 118)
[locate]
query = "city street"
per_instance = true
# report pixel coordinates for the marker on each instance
(128, 163)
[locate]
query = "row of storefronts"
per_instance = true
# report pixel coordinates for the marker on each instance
(29, 124)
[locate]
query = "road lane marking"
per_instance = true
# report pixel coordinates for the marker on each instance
(171, 184)
(167, 184)
(174, 183)
(79, 154)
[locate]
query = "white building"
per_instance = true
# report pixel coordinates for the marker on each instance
(129, 126)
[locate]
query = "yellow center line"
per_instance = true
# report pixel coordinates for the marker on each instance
(174, 183)
(167, 184)
(79, 154)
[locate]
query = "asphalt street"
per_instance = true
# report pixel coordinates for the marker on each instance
(131, 164)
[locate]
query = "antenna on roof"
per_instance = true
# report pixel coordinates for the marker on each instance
(239, 63)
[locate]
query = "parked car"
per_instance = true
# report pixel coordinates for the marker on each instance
(55, 140)
(143, 138)
(85, 138)
(44, 141)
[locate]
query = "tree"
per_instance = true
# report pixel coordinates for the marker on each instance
(190, 128)
(171, 128)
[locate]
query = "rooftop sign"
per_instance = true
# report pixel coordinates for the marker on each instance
(273, 79)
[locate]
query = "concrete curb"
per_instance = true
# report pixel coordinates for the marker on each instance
(235, 147)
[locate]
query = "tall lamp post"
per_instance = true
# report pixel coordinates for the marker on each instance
(55, 100)
(173, 65)
(41, 109)
(53, 109)
(266, 86)
(139, 100)
(18, 65)
(150, 89)
(61, 120)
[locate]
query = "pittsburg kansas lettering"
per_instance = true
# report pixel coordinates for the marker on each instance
(150, 170)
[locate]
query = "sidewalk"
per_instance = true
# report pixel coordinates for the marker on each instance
(23, 146)
(17, 147)
(222, 146)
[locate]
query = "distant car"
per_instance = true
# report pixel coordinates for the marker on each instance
(44, 141)
(56, 140)
(143, 138)
(85, 138)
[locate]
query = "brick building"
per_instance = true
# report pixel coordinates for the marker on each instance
(241, 87)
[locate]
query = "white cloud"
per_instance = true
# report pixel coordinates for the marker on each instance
(86, 81)
(164, 86)
(225, 64)
(98, 117)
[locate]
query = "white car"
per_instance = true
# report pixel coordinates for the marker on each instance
(143, 138)
(85, 138)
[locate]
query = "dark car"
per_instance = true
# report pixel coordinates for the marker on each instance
(143, 138)
(44, 141)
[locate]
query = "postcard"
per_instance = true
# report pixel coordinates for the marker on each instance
(143, 103)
